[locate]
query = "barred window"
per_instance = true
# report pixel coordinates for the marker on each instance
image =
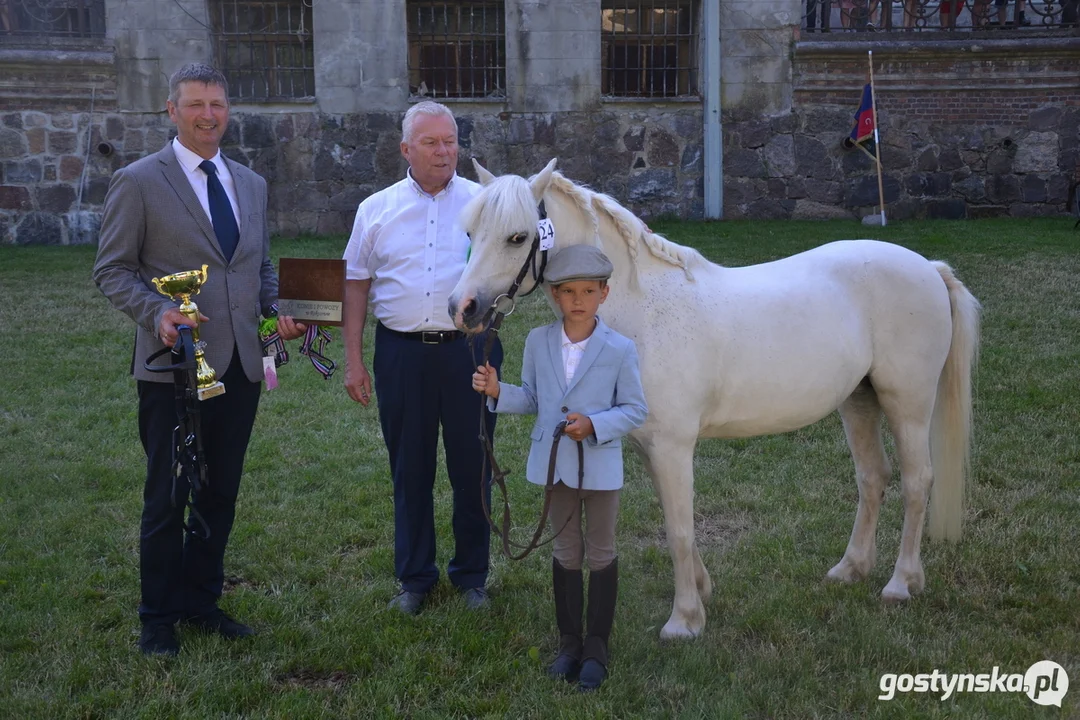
(53, 18)
(649, 48)
(456, 49)
(264, 48)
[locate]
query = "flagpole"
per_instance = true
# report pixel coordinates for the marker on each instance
(877, 143)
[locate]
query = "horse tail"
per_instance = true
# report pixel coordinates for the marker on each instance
(950, 445)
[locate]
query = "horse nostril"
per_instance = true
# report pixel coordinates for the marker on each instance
(469, 309)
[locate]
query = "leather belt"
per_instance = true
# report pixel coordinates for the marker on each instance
(428, 337)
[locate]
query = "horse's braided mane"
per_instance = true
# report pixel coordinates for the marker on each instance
(630, 228)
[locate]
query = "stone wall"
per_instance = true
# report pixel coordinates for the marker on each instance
(970, 127)
(967, 129)
(52, 189)
(56, 166)
(322, 157)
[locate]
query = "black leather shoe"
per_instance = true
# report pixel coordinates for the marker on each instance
(220, 623)
(591, 676)
(407, 602)
(476, 598)
(158, 639)
(565, 667)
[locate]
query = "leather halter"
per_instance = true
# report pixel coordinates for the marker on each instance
(493, 317)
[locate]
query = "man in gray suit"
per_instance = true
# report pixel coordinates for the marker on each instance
(178, 209)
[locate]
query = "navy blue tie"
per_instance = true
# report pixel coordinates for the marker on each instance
(221, 211)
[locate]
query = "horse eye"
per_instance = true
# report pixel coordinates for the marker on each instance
(518, 239)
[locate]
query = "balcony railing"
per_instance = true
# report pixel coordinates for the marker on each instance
(859, 16)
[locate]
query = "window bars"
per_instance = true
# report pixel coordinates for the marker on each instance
(264, 48)
(650, 48)
(52, 18)
(456, 49)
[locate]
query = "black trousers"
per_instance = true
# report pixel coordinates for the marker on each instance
(182, 575)
(421, 387)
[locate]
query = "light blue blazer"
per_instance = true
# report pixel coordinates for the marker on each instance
(606, 387)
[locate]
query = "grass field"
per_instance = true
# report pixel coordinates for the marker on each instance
(310, 560)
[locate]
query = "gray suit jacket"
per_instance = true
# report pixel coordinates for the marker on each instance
(606, 387)
(153, 226)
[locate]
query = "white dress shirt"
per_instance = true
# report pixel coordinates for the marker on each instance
(412, 248)
(190, 162)
(572, 352)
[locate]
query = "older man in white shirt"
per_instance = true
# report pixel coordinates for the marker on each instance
(404, 257)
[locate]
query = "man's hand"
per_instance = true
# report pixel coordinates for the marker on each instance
(167, 332)
(289, 329)
(486, 381)
(578, 426)
(358, 383)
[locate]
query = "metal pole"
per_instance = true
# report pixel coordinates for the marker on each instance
(877, 142)
(714, 151)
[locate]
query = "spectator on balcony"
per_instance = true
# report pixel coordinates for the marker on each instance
(1070, 9)
(1018, 18)
(814, 9)
(913, 9)
(856, 15)
(948, 10)
(980, 14)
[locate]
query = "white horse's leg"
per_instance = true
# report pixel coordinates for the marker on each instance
(671, 465)
(861, 414)
(701, 575)
(916, 475)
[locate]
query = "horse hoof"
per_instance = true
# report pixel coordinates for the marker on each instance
(844, 572)
(678, 631)
(895, 594)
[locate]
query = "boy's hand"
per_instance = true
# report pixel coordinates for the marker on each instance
(578, 426)
(486, 381)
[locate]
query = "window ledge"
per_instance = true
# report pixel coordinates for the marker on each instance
(413, 99)
(104, 56)
(278, 105)
(682, 99)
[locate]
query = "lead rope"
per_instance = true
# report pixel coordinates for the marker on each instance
(188, 458)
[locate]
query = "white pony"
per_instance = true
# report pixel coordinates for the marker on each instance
(861, 326)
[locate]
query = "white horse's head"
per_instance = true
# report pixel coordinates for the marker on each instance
(502, 225)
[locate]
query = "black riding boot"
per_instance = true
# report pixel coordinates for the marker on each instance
(568, 588)
(603, 589)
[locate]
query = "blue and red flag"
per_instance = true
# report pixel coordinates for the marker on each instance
(864, 117)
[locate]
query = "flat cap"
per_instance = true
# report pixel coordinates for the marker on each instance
(578, 262)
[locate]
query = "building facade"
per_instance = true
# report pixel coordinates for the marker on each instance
(973, 122)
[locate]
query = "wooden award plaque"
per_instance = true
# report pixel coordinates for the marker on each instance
(311, 290)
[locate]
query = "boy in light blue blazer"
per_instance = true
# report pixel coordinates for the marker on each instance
(579, 370)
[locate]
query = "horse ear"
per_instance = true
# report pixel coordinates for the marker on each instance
(541, 180)
(482, 173)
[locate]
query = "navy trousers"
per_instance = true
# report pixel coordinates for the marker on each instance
(182, 575)
(421, 387)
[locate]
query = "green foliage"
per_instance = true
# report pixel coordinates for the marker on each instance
(310, 561)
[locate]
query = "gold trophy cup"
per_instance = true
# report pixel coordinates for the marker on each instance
(183, 285)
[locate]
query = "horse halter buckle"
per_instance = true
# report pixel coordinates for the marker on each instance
(499, 304)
